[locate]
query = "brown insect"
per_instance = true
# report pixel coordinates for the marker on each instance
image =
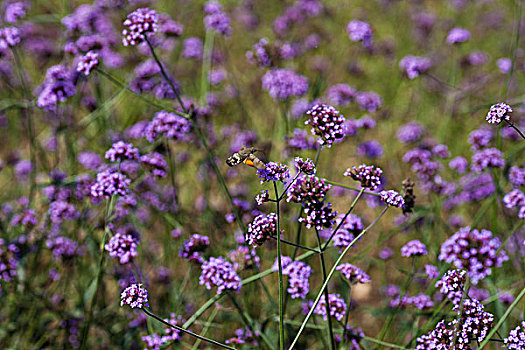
(247, 156)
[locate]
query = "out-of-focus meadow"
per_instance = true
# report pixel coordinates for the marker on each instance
(83, 217)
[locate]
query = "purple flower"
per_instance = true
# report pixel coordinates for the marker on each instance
(262, 197)
(244, 258)
(88, 62)
(487, 158)
(420, 301)
(368, 101)
(353, 273)
(410, 132)
(351, 227)
(110, 182)
(516, 338)
(139, 23)
(216, 19)
(169, 125)
(60, 210)
(120, 151)
(360, 31)
(477, 58)
(451, 285)
(216, 76)
(261, 229)
(515, 198)
(273, 171)
(135, 296)
(370, 149)
(386, 253)
(8, 261)
(123, 247)
(62, 247)
(341, 94)
(480, 138)
(23, 168)
(504, 65)
(9, 37)
(192, 249)
(498, 112)
(368, 175)
(301, 140)
(298, 273)
(319, 216)
(192, 48)
(259, 54)
(283, 83)
(326, 123)
(156, 162)
(57, 87)
(89, 160)
(308, 190)
(517, 176)
(15, 11)
(220, 273)
(337, 307)
(458, 35)
(414, 65)
(413, 248)
(474, 251)
(392, 198)
(431, 271)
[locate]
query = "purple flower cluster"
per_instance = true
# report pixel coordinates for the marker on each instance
(273, 171)
(498, 112)
(487, 158)
(244, 258)
(62, 247)
(420, 301)
(327, 124)
(243, 336)
(135, 296)
(87, 63)
(120, 151)
(368, 175)
(517, 176)
(360, 31)
(155, 341)
(353, 273)
(516, 338)
(220, 273)
(414, 65)
(9, 37)
(349, 229)
(216, 19)
(337, 307)
(60, 210)
(474, 251)
(110, 182)
(298, 273)
(305, 166)
(341, 94)
(413, 248)
(480, 138)
(123, 247)
(259, 54)
(15, 11)
(262, 197)
(458, 35)
(156, 162)
(57, 87)
(192, 249)
(169, 125)
(192, 48)
(281, 84)
(515, 199)
(261, 229)
(352, 338)
(139, 23)
(451, 285)
(392, 198)
(8, 261)
(410, 132)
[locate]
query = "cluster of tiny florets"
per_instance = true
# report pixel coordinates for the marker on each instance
(169, 125)
(110, 182)
(192, 249)
(88, 62)
(156, 162)
(353, 273)
(139, 23)
(337, 307)
(487, 158)
(273, 171)
(135, 296)
(261, 229)
(413, 248)
(123, 247)
(327, 124)
(305, 166)
(219, 273)
(368, 175)
(516, 338)
(120, 151)
(392, 198)
(498, 112)
(451, 284)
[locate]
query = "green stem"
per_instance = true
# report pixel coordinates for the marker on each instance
(206, 328)
(329, 276)
(351, 188)
(326, 298)
(514, 48)
(347, 312)
(150, 314)
(206, 64)
(281, 289)
(515, 128)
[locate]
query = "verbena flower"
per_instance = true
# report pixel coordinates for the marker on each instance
(120, 151)
(57, 87)
(337, 307)
(62, 247)
(308, 190)
(8, 261)
(420, 301)
(9, 37)
(298, 273)
(110, 182)
(319, 216)
(244, 258)
(283, 83)
(413, 248)
(431, 271)
(259, 54)
(474, 251)
(139, 23)
(219, 273)
(123, 247)
(480, 138)
(410, 132)
(135, 296)
(273, 171)
(261, 229)
(305, 166)
(15, 11)
(498, 112)
(352, 338)
(326, 123)
(88, 62)
(451, 285)
(517, 176)
(192, 249)
(460, 164)
(262, 197)
(192, 48)
(458, 35)
(414, 65)
(169, 125)
(516, 338)
(341, 94)
(215, 18)
(368, 101)
(370, 149)
(392, 198)
(504, 65)
(487, 158)
(60, 210)
(368, 175)
(360, 31)
(156, 162)
(353, 273)
(349, 229)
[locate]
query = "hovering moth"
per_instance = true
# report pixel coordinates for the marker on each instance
(247, 156)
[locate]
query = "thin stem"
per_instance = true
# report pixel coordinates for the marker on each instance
(297, 245)
(150, 314)
(329, 276)
(206, 328)
(502, 319)
(206, 64)
(514, 48)
(347, 312)
(351, 188)
(281, 289)
(343, 219)
(202, 309)
(171, 165)
(515, 128)
(326, 298)
(288, 186)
